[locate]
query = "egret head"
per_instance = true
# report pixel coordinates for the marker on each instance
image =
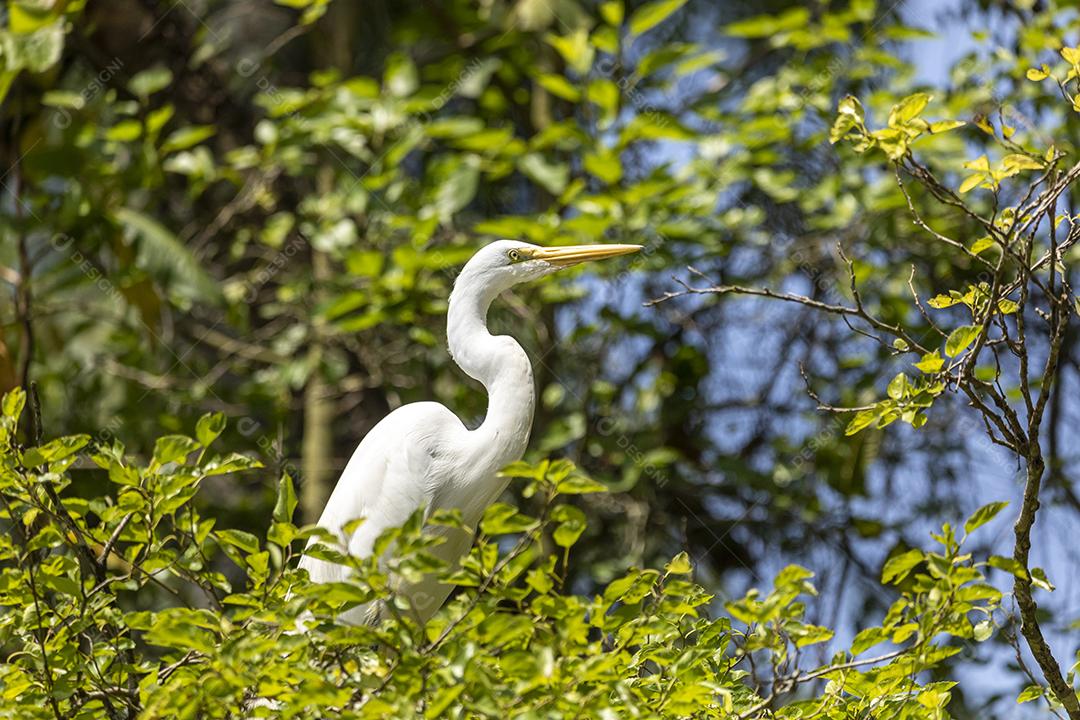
(505, 263)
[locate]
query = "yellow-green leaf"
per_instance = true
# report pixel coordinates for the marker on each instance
(679, 565)
(931, 363)
(960, 338)
(652, 14)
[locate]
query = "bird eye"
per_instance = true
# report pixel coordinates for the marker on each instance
(514, 255)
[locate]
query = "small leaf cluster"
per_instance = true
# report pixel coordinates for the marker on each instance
(904, 126)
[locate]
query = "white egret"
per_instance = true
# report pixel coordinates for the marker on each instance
(421, 455)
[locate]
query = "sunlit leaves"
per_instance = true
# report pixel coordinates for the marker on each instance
(574, 49)
(209, 427)
(54, 450)
(983, 515)
(652, 14)
(173, 448)
(1071, 55)
(850, 115)
(239, 539)
(571, 523)
(559, 86)
(500, 519)
(679, 565)
(512, 610)
(1009, 565)
(931, 363)
(991, 177)
(904, 126)
(1029, 693)
(1039, 579)
(35, 47)
(906, 400)
(908, 109)
(899, 566)
(612, 12)
(767, 25)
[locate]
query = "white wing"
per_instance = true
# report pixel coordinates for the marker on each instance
(394, 471)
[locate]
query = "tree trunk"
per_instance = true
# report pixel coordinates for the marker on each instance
(318, 445)
(1040, 650)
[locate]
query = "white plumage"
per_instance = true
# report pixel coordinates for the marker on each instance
(421, 455)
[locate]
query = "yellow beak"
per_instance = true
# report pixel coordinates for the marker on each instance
(573, 254)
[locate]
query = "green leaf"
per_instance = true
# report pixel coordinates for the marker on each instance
(458, 181)
(187, 137)
(578, 484)
(522, 469)
(1009, 565)
(1039, 579)
(971, 182)
(559, 86)
(804, 635)
(652, 14)
(173, 448)
(983, 515)
(571, 524)
(1017, 162)
(605, 166)
(612, 11)
(1007, 307)
(862, 420)
(124, 131)
(1029, 693)
(850, 115)
(35, 51)
(868, 638)
(161, 253)
(503, 519)
(946, 125)
(233, 462)
(983, 630)
(908, 109)
(898, 387)
(149, 81)
(54, 450)
(286, 500)
(574, 48)
(897, 567)
(942, 301)
(960, 338)
(981, 244)
(765, 25)
(931, 363)
(679, 565)
(552, 176)
(14, 402)
(209, 427)
(239, 539)
(400, 77)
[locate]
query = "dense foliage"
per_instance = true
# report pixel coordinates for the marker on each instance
(208, 212)
(221, 639)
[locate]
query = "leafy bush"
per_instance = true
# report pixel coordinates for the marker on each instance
(134, 603)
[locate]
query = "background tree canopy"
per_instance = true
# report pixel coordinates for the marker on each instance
(234, 225)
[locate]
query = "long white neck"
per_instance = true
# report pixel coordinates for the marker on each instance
(500, 364)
